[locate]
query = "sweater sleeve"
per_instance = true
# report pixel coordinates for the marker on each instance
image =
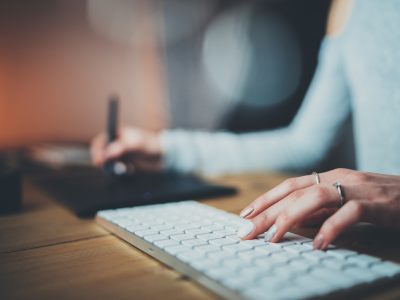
(299, 146)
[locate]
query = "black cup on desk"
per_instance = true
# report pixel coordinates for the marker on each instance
(10, 187)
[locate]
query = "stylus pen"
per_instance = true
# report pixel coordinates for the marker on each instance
(113, 167)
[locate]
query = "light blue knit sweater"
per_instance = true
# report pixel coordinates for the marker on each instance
(358, 73)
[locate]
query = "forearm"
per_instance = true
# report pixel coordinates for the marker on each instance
(223, 152)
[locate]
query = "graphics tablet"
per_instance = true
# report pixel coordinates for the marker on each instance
(85, 190)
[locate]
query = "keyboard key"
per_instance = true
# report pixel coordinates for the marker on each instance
(341, 253)
(251, 254)
(209, 236)
(165, 243)
(362, 260)
(220, 255)
(316, 255)
(212, 227)
(333, 277)
(207, 264)
(254, 243)
(335, 263)
(220, 273)
(191, 256)
(182, 237)
(207, 248)
(170, 232)
(160, 227)
(176, 249)
(362, 274)
(135, 228)
(236, 247)
(386, 268)
(193, 242)
(143, 233)
(267, 249)
(155, 237)
(224, 232)
(197, 231)
(222, 242)
(235, 263)
(297, 248)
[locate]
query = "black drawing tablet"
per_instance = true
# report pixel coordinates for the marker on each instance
(86, 190)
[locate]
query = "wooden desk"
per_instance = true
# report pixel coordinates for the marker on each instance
(47, 253)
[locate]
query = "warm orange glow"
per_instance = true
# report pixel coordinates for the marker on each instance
(57, 74)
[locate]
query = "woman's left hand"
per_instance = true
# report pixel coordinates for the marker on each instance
(368, 197)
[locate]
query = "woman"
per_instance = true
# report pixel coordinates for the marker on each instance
(358, 73)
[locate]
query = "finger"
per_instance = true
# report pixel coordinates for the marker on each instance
(353, 212)
(263, 221)
(115, 150)
(349, 214)
(304, 198)
(97, 149)
(277, 193)
(309, 201)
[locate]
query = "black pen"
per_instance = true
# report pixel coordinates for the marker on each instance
(112, 167)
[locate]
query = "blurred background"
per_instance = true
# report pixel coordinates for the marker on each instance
(212, 64)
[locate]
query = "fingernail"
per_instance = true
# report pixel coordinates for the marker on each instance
(318, 241)
(270, 233)
(245, 229)
(247, 211)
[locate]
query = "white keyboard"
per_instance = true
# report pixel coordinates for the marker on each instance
(201, 242)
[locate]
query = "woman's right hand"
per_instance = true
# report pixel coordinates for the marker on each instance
(139, 150)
